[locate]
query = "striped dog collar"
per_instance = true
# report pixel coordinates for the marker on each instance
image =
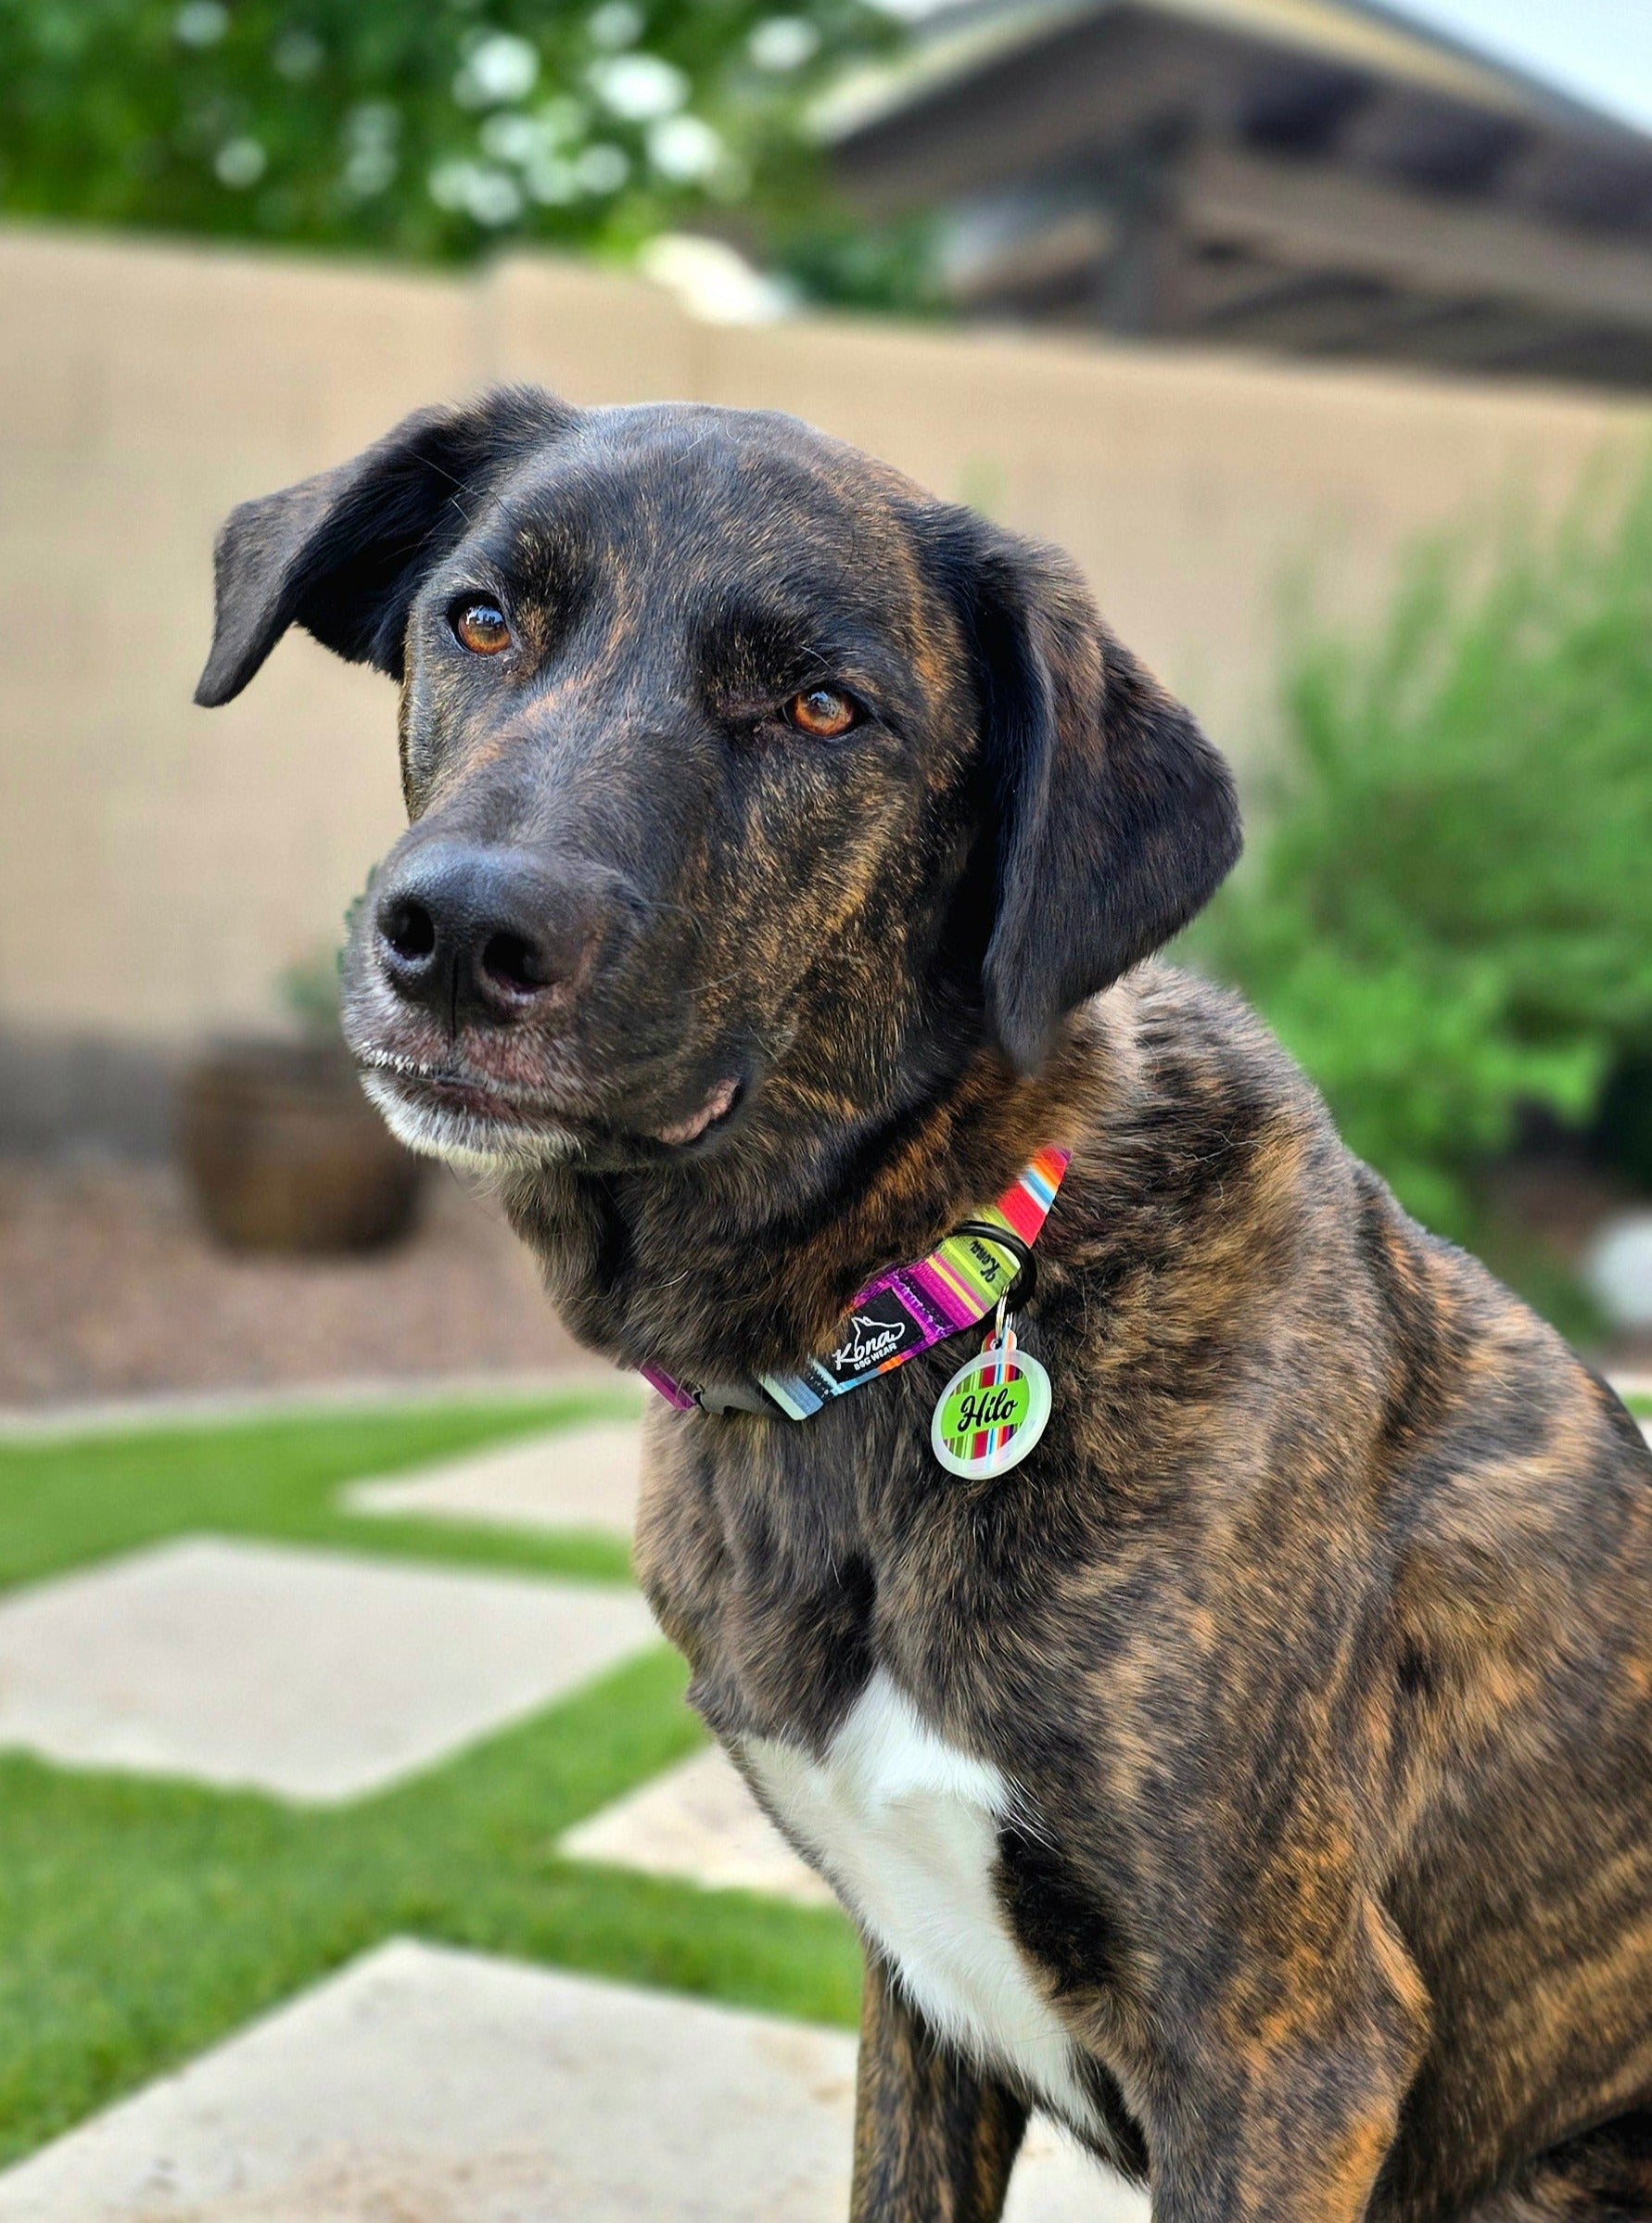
(907, 1310)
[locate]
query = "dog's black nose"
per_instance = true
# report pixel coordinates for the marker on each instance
(474, 932)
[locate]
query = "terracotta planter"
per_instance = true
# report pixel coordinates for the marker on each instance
(285, 1153)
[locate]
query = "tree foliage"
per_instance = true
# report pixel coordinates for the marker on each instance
(1450, 918)
(420, 129)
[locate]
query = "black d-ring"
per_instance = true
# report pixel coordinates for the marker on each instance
(1022, 1288)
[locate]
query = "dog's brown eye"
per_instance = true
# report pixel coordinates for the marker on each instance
(480, 627)
(822, 712)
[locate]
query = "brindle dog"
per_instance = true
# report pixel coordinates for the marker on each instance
(1256, 1778)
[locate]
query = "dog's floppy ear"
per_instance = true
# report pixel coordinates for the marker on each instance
(342, 553)
(1116, 819)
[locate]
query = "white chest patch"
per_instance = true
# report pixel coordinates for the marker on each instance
(905, 1828)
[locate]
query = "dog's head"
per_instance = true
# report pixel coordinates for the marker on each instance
(740, 774)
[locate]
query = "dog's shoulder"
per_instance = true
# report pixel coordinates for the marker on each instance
(1207, 1175)
(1217, 1214)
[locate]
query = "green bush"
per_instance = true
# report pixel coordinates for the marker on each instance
(1449, 914)
(420, 128)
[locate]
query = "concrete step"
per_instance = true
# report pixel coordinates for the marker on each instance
(576, 1478)
(699, 1824)
(317, 1675)
(423, 2085)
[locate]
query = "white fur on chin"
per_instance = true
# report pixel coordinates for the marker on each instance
(461, 1137)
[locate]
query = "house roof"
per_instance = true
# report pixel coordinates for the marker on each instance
(958, 40)
(1308, 166)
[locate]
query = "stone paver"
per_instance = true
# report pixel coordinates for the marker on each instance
(701, 1823)
(423, 2085)
(577, 1478)
(313, 1674)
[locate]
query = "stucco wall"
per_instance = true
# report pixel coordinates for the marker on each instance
(161, 865)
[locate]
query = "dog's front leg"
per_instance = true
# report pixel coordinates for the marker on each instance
(1298, 2150)
(935, 2139)
(1284, 2106)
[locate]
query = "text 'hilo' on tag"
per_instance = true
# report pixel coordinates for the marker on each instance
(992, 1412)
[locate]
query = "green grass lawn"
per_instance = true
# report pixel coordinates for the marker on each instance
(141, 1921)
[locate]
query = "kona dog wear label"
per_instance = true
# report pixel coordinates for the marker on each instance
(992, 1412)
(874, 1334)
(912, 1308)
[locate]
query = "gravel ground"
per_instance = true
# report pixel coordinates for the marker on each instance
(110, 1289)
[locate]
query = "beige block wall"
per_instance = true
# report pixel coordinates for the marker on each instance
(161, 865)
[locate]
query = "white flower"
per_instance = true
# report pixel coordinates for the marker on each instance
(373, 123)
(499, 68)
(637, 86)
(494, 198)
(550, 182)
(240, 163)
(603, 168)
(297, 54)
(784, 43)
(490, 196)
(200, 22)
(369, 171)
(560, 120)
(617, 23)
(449, 183)
(510, 136)
(684, 149)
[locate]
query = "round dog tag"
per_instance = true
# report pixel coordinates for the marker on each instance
(992, 1412)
